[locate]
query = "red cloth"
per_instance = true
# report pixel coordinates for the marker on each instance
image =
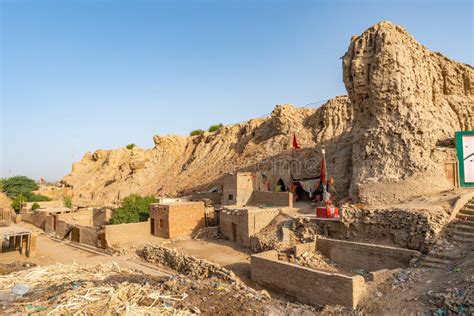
(323, 171)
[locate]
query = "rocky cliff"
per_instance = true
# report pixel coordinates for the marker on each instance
(385, 142)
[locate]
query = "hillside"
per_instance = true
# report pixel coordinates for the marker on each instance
(393, 130)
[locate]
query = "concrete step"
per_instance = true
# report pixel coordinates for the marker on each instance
(462, 239)
(461, 222)
(444, 256)
(433, 265)
(464, 234)
(467, 211)
(465, 217)
(436, 260)
(465, 228)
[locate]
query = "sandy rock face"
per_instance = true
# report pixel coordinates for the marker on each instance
(406, 101)
(386, 141)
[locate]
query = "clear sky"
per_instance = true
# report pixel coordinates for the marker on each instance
(82, 75)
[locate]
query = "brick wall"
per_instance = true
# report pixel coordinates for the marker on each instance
(177, 219)
(234, 225)
(240, 224)
(122, 233)
(369, 257)
(101, 216)
(306, 285)
(229, 189)
(272, 198)
(88, 236)
(245, 187)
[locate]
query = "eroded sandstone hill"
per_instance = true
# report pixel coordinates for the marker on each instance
(385, 142)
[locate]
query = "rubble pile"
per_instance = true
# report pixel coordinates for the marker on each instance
(185, 264)
(110, 290)
(212, 232)
(271, 237)
(413, 229)
(315, 260)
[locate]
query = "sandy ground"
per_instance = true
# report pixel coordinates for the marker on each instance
(49, 251)
(222, 252)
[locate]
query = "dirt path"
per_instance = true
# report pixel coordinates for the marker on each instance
(49, 251)
(222, 252)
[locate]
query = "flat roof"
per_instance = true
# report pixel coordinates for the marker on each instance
(13, 230)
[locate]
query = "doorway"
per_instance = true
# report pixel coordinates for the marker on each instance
(451, 173)
(234, 232)
(152, 226)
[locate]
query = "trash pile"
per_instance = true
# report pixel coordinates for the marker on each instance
(452, 300)
(108, 289)
(185, 264)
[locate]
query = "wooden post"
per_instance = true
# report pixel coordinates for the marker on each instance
(17, 242)
(24, 244)
(32, 249)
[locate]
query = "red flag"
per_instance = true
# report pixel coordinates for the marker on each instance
(323, 171)
(295, 143)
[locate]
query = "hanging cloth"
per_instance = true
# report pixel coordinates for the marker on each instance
(309, 186)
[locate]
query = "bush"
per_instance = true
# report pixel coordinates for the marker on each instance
(67, 201)
(35, 206)
(216, 127)
(32, 197)
(17, 202)
(196, 132)
(130, 146)
(19, 185)
(134, 209)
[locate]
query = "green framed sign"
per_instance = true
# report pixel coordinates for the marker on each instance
(465, 151)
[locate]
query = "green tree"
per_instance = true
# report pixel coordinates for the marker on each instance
(67, 201)
(134, 209)
(196, 132)
(17, 202)
(215, 127)
(32, 197)
(19, 185)
(130, 146)
(35, 206)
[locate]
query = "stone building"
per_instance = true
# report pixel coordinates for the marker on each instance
(175, 220)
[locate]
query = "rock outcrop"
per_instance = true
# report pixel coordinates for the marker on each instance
(385, 142)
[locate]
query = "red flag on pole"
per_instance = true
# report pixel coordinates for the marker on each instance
(323, 171)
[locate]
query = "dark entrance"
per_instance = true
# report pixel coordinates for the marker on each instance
(234, 232)
(152, 226)
(282, 185)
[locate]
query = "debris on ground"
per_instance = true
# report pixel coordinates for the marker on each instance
(185, 264)
(315, 260)
(7, 268)
(108, 289)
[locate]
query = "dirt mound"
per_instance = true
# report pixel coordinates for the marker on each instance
(393, 131)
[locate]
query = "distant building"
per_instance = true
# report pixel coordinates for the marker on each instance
(173, 220)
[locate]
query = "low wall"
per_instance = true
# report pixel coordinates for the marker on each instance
(272, 198)
(369, 257)
(306, 285)
(36, 218)
(123, 233)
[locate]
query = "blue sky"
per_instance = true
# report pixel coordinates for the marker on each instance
(78, 76)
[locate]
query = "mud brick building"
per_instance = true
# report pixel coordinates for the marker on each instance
(175, 220)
